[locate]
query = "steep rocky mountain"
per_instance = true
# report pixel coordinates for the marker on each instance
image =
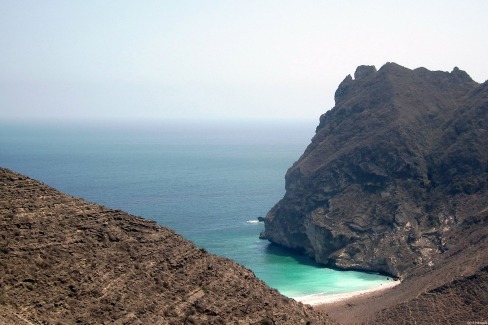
(66, 261)
(395, 176)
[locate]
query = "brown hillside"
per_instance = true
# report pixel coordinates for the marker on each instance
(66, 261)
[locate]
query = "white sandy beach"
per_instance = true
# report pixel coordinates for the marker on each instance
(321, 299)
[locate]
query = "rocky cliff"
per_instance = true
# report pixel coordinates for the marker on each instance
(396, 173)
(66, 261)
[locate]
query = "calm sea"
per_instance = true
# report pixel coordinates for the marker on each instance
(209, 181)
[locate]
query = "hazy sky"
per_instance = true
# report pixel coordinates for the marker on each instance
(218, 59)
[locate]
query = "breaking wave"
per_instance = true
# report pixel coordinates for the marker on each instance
(255, 221)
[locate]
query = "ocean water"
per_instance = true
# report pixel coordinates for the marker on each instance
(209, 181)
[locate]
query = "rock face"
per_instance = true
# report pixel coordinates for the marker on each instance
(66, 261)
(397, 167)
(451, 291)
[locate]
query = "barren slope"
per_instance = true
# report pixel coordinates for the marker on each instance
(66, 261)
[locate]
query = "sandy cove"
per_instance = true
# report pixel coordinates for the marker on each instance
(320, 299)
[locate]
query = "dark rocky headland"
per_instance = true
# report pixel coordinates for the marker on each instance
(395, 180)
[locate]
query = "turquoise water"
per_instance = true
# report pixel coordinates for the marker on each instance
(208, 181)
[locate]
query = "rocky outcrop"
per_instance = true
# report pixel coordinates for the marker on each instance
(452, 291)
(66, 261)
(394, 169)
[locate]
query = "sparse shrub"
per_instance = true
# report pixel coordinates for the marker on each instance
(267, 321)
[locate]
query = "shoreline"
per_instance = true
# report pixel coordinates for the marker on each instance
(322, 299)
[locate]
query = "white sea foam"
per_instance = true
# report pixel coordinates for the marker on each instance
(253, 221)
